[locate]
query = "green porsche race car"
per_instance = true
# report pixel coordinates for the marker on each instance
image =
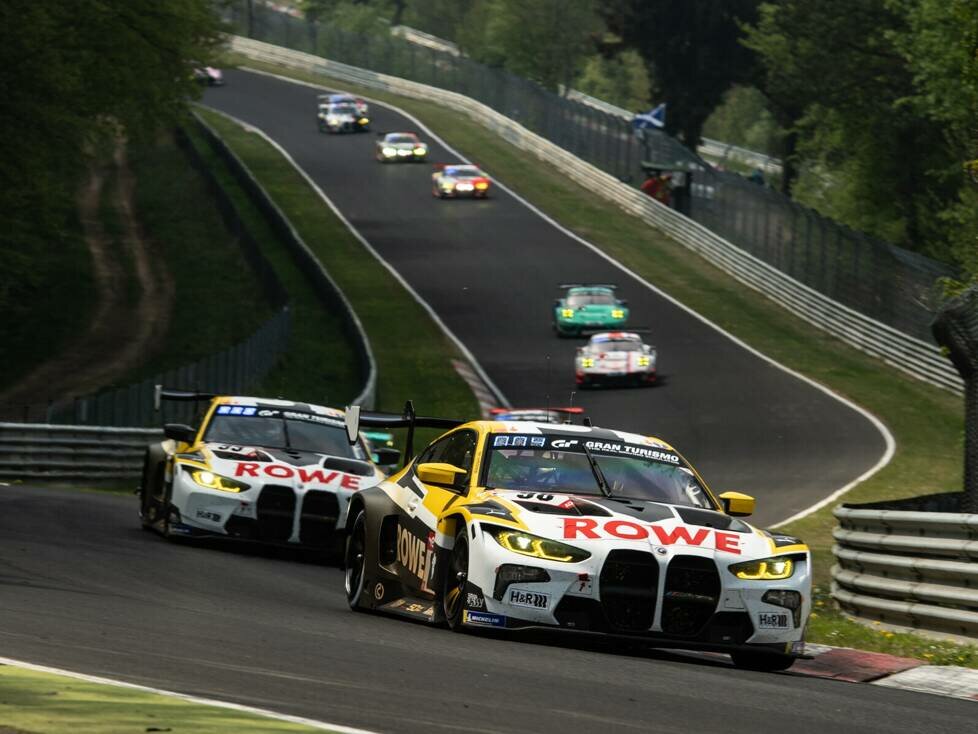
(588, 308)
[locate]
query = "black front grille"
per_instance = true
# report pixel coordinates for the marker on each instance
(692, 590)
(629, 584)
(317, 526)
(276, 507)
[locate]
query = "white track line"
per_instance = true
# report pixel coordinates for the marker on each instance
(888, 439)
(370, 248)
(323, 725)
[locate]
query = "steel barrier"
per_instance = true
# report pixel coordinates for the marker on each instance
(45, 451)
(911, 568)
(913, 356)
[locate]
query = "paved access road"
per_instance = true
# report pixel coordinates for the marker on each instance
(83, 588)
(491, 268)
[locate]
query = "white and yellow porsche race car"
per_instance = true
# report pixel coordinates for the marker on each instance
(272, 471)
(512, 525)
(615, 358)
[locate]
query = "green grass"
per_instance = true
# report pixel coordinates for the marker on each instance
(925, 421)
(416, 366)
(317, 366)
(33, 702)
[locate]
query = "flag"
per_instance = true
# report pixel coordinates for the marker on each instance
(655, 118)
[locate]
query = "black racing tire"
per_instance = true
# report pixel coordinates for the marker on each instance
(768, 662)
(454, 581)
(355, 561)
(151, 507)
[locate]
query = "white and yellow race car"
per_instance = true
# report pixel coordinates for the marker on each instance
(511, 525)
(273, 471)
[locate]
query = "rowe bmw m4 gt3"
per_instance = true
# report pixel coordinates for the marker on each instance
(273, 471)
(615, 358)
(452, 181)
(588, 308)
(394, 147)
(513, 525)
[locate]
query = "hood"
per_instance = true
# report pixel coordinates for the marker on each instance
(591, 522)
(303, 469)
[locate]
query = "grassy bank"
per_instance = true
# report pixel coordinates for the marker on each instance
(925, 421)
(33, 702)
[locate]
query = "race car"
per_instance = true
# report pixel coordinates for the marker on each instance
(537, 415)
(392, 147)
(588, 308)
(510, 525)
(345, 99)
(254, 469)
(615, 358)
(341, 118)
(462, 179)
(209, 75)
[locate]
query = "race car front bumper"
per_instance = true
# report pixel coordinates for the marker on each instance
(591, 377)
(673, 598)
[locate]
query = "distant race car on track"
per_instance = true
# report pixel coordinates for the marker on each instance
(341, 118)
(272, 471)
(588, 308)
(537, 415)
(346, 99)
(209, 75)
(392, 147)
(461, 179)
(510, 525)
(615, 358)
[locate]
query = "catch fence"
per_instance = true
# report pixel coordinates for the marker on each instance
(889, 284)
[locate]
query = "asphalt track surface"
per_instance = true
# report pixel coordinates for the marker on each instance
(490, 269)
(82, 587)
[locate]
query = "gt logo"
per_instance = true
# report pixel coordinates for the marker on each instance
(627, 530)
(563, 443)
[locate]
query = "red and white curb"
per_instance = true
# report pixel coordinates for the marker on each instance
(485, 397)
(891, 671)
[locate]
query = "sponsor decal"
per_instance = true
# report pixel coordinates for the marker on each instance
(563, 443)
(305, 475)
(414, 554)
(474, 601)
(235, 410)
(532, 599)
(772, 621)
(653, 452)
(207, 515)
(379, 592)
(483, 618)
(590, 529)
(584, 584)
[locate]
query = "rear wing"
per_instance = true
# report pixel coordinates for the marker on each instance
(574, 410)
(587, 285)
(409, 419)
(161, 393)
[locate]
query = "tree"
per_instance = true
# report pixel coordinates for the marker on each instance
(693, 48)
(622, 79)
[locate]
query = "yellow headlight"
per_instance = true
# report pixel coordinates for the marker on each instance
(567, 313)
(532, 545)
(767, 569)
(617, 313)
(643, 361)
(215, 481)
(588, 362)
(420, 151)
(364, 120)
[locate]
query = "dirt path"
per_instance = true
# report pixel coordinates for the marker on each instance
(121, 335)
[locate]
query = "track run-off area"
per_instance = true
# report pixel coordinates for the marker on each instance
(83, 588)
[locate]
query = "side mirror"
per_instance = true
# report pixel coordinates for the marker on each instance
(386, 456)
(737, 504)
(180, 432)
(438, 474)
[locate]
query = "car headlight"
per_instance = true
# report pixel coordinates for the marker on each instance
(644, 361)
(363, 120)
(333, 120)
(420, 151)
(567, 313)
(587, 362)
(765, 569)
(389, 151)
(617, 313)
(215, 481)
(532, 545)
(482, 186)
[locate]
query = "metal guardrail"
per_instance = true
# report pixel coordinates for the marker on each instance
(909, 568)
(45, 451)
(917, 358)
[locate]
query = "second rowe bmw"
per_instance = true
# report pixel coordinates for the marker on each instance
(511, 525)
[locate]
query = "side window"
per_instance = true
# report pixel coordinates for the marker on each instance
(457, 449)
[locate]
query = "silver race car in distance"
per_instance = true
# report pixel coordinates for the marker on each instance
(394, 147)
(341, 118)
(615, 358)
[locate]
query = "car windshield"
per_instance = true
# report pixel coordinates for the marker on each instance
(342, 109)
(615, 345)
(590, 298)
(559, 464)
(283, 429)
(463, 172)
(401, 139)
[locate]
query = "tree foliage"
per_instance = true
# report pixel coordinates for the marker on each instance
(622, 79)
